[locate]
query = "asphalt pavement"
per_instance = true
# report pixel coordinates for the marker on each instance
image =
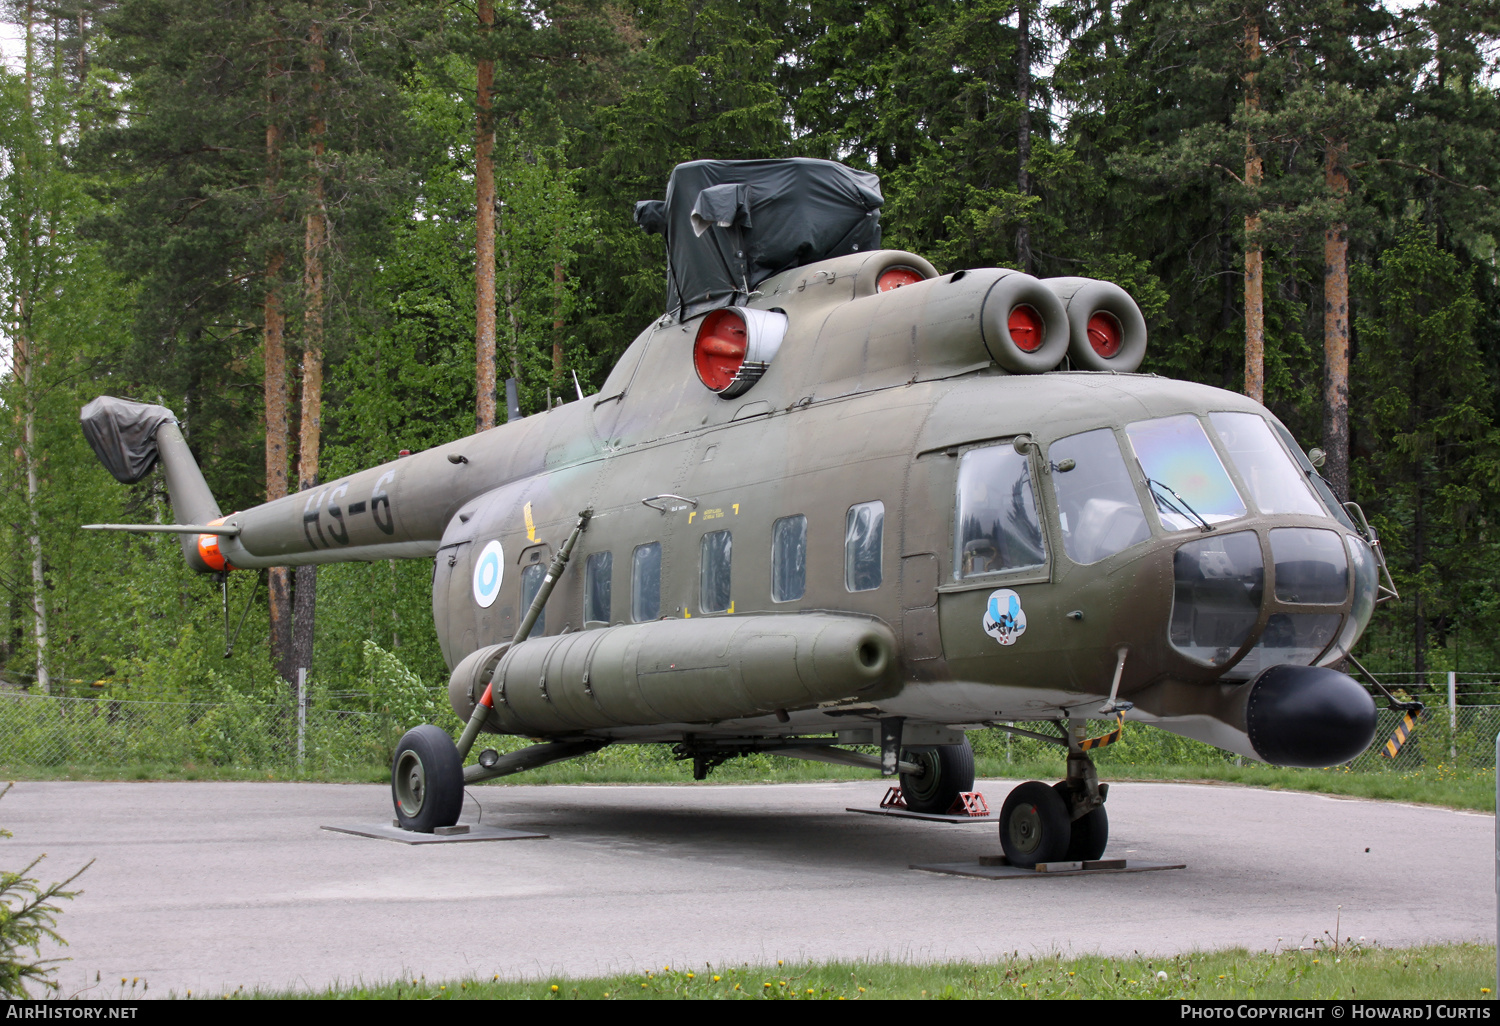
(211, 886)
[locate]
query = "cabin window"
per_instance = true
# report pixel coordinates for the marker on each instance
(596, 583)
(713, 579)
(1186, 477)
(1276, 484)
(864, 532)
(531, 583)
(998, 527)
(645, 582)
(1097, 506)
(789, 558)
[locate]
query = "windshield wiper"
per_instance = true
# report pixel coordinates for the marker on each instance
(1180, 506)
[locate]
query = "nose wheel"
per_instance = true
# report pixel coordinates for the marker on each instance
(1062, 822)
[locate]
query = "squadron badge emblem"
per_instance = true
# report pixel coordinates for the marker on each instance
(1004, 619)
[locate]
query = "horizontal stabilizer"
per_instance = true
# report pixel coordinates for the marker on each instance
(224, 531)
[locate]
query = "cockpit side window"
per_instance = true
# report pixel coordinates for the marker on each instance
(1187, 479)
(998, 528)
(1275, 483)
(1315, 479)
(1098, 508)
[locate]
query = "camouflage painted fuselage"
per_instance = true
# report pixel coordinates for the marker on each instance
(873, 397)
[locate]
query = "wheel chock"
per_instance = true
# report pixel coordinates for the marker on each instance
(969, 803)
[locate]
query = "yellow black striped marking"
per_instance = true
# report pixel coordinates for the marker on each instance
(1108, 739)
(1403, 731)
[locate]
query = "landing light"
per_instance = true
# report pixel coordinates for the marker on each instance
(1025, 326)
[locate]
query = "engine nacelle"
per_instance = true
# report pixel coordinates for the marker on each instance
(1106, 329)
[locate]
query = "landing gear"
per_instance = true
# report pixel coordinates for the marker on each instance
(1034, 825)
(1065, 822)
(947, 770)
(427, 780)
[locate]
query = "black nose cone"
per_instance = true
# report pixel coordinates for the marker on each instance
(1308, 716)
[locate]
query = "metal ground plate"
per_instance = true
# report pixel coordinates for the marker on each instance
(386, 832)
(932, 817)
(1004, 872)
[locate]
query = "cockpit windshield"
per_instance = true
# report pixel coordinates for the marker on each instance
(1187, 480)
(1276, 484)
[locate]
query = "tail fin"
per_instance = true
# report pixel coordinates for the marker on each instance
(130, 437)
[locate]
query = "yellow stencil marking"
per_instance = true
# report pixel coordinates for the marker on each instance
(713, 514)
(692, 515)
(736, 509)
(530, 524)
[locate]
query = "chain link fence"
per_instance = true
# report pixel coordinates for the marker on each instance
(52, 732)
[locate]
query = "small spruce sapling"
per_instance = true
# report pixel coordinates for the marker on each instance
(27, 917)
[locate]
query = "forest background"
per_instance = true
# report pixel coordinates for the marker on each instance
(292, 224)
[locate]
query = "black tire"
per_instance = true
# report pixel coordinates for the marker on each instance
(427, 780)
(1090, 832)
(1034, 825)
(950, 771)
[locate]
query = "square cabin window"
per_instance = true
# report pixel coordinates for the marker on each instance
(864, 532)
(645, 582)
(597, 573)
(531, 583)
(713, 581)
(789, 558)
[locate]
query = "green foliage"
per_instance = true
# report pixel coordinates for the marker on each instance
(1329, 969)
(28, 916)
(140, 208)
(400, 695)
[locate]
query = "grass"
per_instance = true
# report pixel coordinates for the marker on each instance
(1459, 789)
(1356, 970)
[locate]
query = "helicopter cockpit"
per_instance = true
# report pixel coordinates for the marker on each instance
(1264, 575)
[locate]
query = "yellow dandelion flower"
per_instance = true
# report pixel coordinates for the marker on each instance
(554, 988)
(716, 979)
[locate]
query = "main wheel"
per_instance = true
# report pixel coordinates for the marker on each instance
(947, 771)
(1034, 825)
(1090, 832)
(427, 780)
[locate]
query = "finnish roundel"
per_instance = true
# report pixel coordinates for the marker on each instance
(489, 571)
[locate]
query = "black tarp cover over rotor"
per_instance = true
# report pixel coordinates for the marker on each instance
(123, 435)
(731, 224)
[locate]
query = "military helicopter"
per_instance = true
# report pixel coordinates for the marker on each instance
(847, 501)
